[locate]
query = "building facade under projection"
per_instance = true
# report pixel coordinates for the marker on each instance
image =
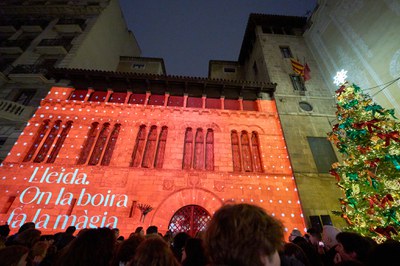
(124, 150)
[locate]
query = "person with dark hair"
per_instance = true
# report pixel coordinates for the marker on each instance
(28, 237)
(243, 234)
(178, 243)
(11, 239)
(13, 255)
(139, 230)
(153, 251)
(295, 233)
(311, 254)
(4, 231)
(387, 253)
(127, 250)
(295, 255)
(66, 237)
(352, 247)
(193, 253)
(152, 230)
(90, 247)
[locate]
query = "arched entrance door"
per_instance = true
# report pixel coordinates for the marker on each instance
(190, 219)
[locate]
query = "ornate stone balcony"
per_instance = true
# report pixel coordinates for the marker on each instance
(14, 111)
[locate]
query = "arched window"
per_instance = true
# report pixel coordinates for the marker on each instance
(162, 140)
(255, 148)
(150, 150)
(100, 143)
(246, 153)
(111, 145)
(237, 166)
(60, 142)
(38, 139)
(190, 219)
(139, 146)
(188, 149)
(87, 147)
(199, 150)
(48, 142)
(210, 150)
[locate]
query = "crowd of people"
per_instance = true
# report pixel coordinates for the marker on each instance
(237, 235)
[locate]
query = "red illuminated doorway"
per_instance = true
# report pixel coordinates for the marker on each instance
(190, 219)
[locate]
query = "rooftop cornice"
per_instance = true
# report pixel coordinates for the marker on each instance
(202, 85)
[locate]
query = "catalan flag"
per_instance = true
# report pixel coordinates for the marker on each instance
(298, 68)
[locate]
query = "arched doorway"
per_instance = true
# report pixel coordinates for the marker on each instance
(190, 219)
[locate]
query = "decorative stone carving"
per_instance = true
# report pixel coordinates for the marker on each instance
(168, 184)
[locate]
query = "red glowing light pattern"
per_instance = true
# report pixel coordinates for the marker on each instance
(87, 163)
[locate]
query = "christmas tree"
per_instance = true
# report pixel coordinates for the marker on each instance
(367, 135)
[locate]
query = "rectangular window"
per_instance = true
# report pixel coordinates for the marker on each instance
(213, 103)
(137, 98)
(156, 99)
(2, 140)
(323, 153)
(138, 66)
(229, 70)
(25, 96)
(231, 104)
(285, 50)
(194, 102)
(298, 83)
(175, 101)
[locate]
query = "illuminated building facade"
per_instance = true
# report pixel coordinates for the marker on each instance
(127, 150)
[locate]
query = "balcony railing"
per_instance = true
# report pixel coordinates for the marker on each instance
(54, 46)
(33, 25)
(29, 73)
(15, 111)
(14, 46)
(70, 25)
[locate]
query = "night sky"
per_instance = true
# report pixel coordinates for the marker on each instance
(189, 33)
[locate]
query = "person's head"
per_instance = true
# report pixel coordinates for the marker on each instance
(295, 233)
(178, 243)
(13, 256)
(116, 232)
(315, 236)
(26, 226)
(243, 234)
(4, 230)
(139, 230)
(154, 251)
(294, 252)
(127, 249)
(352, 246)
(152, 230)
(329, 234)
(387, 253)
(70, 230)
(28, 237)
(90, 247)
(194, 253)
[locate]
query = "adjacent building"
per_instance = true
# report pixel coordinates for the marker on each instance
(306, 108)
(36, 36)
(362, 38)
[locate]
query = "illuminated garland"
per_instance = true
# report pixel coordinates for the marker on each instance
(367, 135)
